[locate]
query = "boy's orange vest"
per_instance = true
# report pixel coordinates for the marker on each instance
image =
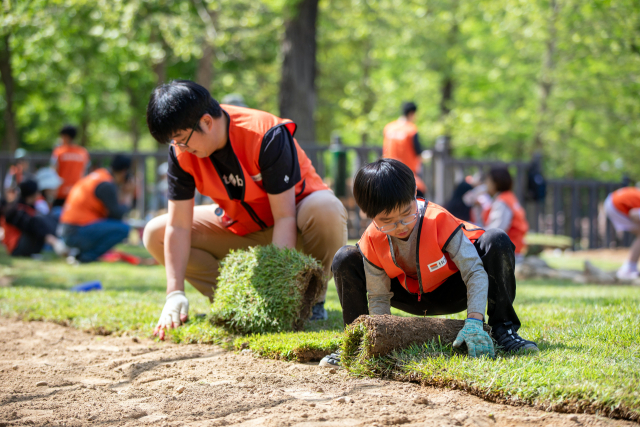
(436, 226)
(626, 199)
(398, 145)
(82, 207)
(247, 128)
(519, 224)
(71, 162)
(12, 234)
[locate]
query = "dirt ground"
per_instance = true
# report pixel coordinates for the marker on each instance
(57, 376)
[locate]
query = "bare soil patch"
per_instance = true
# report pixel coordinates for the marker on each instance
(54, 375)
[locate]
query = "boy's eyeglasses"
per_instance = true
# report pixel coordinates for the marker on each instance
(407, 220)
(184, 144)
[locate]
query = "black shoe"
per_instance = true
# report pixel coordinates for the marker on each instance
(509, 341)
(318, 312)
(331, 360)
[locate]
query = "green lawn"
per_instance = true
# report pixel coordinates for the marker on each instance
(589, 336)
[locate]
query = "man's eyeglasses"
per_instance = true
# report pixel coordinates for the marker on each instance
(184, 144)
(407, 220)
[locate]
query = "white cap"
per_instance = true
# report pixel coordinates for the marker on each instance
(48, 179)
(163, 168)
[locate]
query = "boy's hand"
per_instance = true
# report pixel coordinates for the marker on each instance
(479, 343)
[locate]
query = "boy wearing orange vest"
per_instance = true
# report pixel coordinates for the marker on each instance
(417, 257)
(623, 210)
(70, 162)
(91, 220)
(263, 183)
(401, 143)
(505, 211)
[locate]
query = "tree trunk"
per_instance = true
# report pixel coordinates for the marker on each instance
(135, 119)
(11, 130)
(448, 83)
(297, 86)
(204, 73)
(546, 79)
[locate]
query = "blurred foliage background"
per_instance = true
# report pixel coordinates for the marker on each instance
(503, 78)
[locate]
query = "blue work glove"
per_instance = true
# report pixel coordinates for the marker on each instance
(479, 343)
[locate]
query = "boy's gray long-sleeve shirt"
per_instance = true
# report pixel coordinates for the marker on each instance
(460, 250)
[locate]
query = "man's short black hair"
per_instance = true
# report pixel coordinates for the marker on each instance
(70, 131)
(383, 186)
(408, 107)
(501, 177)
(177, 106)
(120, 163)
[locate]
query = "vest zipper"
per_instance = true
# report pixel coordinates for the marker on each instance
(419, 225)
(254, 216)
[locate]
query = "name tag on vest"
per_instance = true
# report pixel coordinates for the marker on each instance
(438, 264)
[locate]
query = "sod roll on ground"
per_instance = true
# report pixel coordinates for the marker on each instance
(266, 289)
(371, 336)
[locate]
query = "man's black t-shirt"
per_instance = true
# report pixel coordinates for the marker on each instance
(278, 162)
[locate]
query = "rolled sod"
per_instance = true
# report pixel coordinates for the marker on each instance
(370, 336)
(266, 289)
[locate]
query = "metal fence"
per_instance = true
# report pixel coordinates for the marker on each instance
(572, 208)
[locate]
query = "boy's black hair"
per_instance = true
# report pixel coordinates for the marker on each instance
(408, 107)
(501, 178)
(70, 131)
(177, 106)
(383, 186)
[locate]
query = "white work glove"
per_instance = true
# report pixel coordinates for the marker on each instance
(60, 248)
(174, 313)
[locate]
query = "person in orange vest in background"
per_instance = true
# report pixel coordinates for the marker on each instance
(266, 190)
(18, 172)
(623, 209)
(91, 221)
(401, 142)
(505, 211)
(26, 231)
(70, 162)
(417, 257)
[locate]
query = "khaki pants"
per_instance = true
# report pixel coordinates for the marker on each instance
(322, 230)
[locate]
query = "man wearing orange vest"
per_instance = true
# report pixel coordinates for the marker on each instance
(70, 161)
(417, 257)
(505, 211)
(25, 230)
(401, 143)
(263, 183)
(623, 210)
(91, 220)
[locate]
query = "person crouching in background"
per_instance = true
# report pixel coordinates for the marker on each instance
(623, 210)
(26, 231)
(91, 220)
(505, 211)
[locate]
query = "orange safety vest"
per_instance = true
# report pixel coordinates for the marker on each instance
(519, 225)
(82, 207)
(12, 234)
(626, 199)
(247, 128)
(398, 145)
(435, 227)
(71, 163)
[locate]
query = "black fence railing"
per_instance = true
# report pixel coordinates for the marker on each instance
(572, 208)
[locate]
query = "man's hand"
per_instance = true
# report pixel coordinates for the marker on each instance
(479, 343)
(174, 313)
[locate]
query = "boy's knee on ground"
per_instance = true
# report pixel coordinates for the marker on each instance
(346, 255)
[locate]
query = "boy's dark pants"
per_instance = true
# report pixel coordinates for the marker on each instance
(494, 248)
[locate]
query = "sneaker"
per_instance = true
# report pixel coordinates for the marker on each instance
(318, 312)
(626, 272)
(508, 340)
(331, 360)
